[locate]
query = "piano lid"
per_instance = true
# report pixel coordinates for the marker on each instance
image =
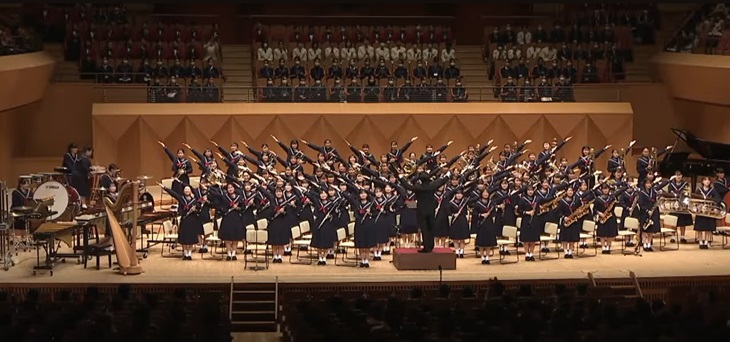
(707, 149)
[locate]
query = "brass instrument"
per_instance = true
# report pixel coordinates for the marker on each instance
(583, 210)
(693, 206)
(216, 177)
(126, 254)
(409, 167)
(652, 159)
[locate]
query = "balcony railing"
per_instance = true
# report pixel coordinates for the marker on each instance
(221, 92)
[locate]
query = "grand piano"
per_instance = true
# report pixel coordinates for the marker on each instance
(713, 155)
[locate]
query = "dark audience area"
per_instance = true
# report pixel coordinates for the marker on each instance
(525, 313)
(357, 63)
(17, 38)
(123, 315)
(705, 31)
(178, 61)
(542, 57)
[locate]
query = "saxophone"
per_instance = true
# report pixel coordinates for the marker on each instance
(583, 210)
(608, 213)
(551, 204)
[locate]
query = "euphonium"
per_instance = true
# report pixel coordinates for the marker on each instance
(705, 207)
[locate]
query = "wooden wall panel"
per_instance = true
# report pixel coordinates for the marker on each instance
(701, 78)
(24, 78)
(140, 126)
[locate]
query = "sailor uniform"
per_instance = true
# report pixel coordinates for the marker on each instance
(566, 207)
(232, 228)
(530, 227)
(683, 219)
(459, 227)
(703, 223)
(188, 210)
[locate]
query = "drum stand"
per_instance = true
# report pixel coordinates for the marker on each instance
(7, 247)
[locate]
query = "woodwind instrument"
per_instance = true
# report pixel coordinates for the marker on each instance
(126, 254)
(551, 204)
(608, 213)
(583, 210)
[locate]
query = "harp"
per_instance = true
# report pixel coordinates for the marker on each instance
(126, 255)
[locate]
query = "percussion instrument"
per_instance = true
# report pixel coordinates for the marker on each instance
(37, 179)
(54, 176)
(62, 169)
(66, 200)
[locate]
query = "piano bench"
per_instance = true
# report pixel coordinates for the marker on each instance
(98, 253)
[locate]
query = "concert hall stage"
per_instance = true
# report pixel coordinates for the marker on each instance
(688, 262)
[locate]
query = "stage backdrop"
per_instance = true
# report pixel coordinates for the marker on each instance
(128, 133)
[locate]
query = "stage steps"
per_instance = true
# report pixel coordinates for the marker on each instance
(65, 71)
(253, 308)
(237, 69)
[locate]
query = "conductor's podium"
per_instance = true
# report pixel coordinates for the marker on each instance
(410, 259)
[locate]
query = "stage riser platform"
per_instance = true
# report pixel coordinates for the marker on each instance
(409, 259)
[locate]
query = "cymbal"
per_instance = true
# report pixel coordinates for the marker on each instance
(99, 189)
(21, 209)
(52, 173)
(144, 177)
(62, 169)
(16, 215)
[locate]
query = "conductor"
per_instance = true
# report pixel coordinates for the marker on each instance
(425, 191)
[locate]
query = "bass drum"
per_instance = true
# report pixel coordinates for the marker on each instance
(65, 200)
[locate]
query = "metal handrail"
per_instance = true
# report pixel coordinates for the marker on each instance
(230, 302)
(362, 18)
(140, 93)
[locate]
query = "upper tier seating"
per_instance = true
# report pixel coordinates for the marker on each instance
(383, 52)
(705, 32)
(602, 37)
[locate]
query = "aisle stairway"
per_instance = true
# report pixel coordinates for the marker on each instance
(237, 67)
(65, 71)
(474, 72)
(638, 70)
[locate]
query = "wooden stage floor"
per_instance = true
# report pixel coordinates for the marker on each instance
(689, 261)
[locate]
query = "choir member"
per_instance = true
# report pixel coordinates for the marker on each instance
(395, 155)
(459, 225)
(188, 208)
(648, 214)
(201, 193)
(323, 229)
(680, 188)
(234, 156)
(603, 208)
(181, 168)
(280, 222)
(292, 150)
(703, 224)
(232, 230)
(362, 208)
(530, 226)
(570, 234)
